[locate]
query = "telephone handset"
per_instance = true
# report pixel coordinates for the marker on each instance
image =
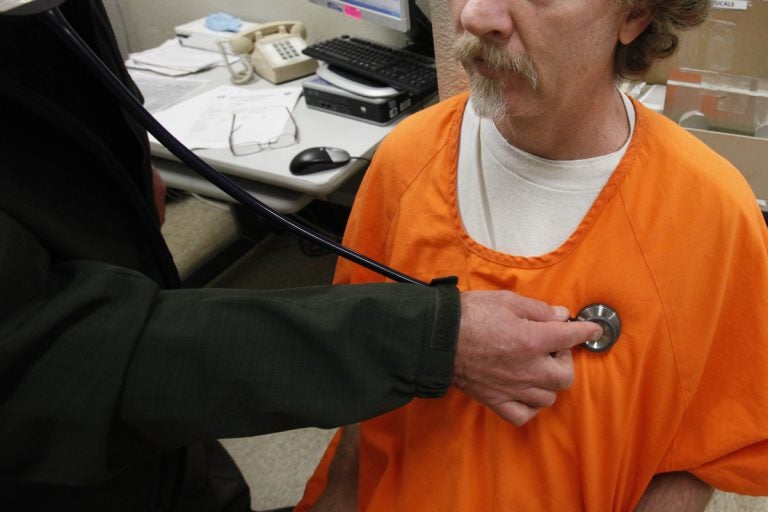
(276, 50)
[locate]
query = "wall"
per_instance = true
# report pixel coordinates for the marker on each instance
(450, 76)
(730, 41)
(142, 24)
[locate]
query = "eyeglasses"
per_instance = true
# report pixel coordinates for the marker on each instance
(285, 139)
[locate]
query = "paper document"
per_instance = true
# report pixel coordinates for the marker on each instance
(173, 59)
(262, 128)
(161, 92)
(205, 121)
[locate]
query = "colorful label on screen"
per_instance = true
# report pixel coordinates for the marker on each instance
(353, 12)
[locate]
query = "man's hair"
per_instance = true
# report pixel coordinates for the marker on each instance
(659, 40)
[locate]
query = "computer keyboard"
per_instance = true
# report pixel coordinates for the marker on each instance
(397, 68)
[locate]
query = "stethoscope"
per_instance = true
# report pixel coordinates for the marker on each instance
(48, 12)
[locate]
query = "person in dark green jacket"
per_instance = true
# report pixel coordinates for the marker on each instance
(115, 384)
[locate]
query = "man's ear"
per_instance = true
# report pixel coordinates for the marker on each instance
(636, 21)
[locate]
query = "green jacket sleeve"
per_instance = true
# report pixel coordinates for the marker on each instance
(100, 366)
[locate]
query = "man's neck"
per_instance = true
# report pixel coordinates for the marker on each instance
(582, 127)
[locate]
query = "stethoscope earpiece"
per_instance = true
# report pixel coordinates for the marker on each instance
(608, 319)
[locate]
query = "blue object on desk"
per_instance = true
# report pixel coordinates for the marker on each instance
(222, 22)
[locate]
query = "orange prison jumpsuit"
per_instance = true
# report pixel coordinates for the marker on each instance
(675, 243)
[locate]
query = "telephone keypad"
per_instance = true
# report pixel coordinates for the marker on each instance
(286, 50)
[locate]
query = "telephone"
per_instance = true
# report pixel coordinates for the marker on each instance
(275, 51)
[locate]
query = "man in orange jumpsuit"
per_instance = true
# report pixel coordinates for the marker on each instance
(550, 182)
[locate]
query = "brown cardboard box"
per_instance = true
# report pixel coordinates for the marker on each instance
(748, 154)
(731, 41)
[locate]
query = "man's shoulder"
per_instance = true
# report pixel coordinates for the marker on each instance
(663, 138)
(413, 143)
(432, 125)
(410, 149)
(681, 157)
(678, 182)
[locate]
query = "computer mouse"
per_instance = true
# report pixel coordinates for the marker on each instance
(318, 159)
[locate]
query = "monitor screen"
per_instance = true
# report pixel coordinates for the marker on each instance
(389, 13)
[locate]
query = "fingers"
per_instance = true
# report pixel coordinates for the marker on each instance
(532, 309)
(514, 412)
(562, 370)
(514, 353)
(557, 336)
(538, 311)
(526, 407)
(546, 330)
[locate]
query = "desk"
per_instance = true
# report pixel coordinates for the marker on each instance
(265, 175)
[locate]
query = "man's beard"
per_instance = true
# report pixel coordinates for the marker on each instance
(488, 98)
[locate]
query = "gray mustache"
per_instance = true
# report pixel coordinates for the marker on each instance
(468, 47)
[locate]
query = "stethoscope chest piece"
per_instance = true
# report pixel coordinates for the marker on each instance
(608, 319)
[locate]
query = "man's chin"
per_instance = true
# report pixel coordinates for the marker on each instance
(498, 103)
(493, 108)
(488, 97)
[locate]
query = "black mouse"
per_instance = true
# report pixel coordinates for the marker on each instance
(318, 159)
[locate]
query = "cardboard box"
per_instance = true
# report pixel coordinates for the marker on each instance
(717, 101)
(748, 154)
(733, 40)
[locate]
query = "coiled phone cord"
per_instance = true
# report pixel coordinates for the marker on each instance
(59, 24)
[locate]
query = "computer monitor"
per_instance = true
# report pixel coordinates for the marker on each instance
(402, 15)
(388, 13)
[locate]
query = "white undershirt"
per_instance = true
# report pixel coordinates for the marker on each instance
(518, 203)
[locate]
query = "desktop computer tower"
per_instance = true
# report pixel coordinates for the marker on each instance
(322, 95)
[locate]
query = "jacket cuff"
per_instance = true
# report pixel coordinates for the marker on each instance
(436, 368)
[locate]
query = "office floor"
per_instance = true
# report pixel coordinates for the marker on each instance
(277, 466)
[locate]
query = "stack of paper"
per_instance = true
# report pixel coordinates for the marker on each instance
(161, 92)
(172, 59)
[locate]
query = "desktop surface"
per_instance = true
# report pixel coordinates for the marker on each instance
(316, 129)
